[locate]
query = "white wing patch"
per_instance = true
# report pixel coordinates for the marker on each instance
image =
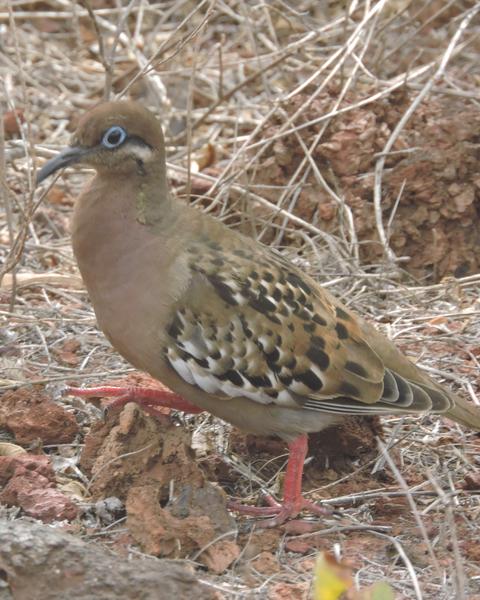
(207, 381)
(222, 360)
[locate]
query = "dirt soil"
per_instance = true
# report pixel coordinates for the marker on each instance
(432, 175)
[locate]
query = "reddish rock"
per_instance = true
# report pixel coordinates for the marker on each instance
(161, 533)
(266, 563)
(29, 482)
(172, 510)
(31, 415)
(258, 541)
(12, 121)
(21, 464)
(471, 481)
(288, 591)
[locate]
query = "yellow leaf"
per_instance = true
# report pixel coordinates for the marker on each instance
(382, 591)
(330, 578)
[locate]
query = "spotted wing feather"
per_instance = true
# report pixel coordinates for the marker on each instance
(252, 325)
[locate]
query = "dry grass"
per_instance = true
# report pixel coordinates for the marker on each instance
(217, 71)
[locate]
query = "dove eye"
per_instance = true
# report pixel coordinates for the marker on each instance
(114, 137)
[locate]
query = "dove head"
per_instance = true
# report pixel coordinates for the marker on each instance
(115, 137)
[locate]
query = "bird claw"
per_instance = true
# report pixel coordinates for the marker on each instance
(120, 397)
(155, 402)
(280, 513)
(115, 406)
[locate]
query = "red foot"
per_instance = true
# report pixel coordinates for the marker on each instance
(280, 513)
(152, 400)
(293, 502)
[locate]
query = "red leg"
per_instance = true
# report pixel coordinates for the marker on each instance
(150, 399)
(293, 502)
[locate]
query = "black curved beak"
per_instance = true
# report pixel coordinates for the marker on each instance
(67, 157)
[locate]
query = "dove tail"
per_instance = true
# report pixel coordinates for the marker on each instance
(464, 413)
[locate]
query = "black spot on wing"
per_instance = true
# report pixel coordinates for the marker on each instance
(319, 320)
(354, 367)
(318, 357)
(317, 341)
(246, 329)
(341, 331)
(341, 314)
(303, 314)
(262, 304)
(286, 379)
(316, 354)
(213, 245)
(258, 380)
(297, 281)
(175, 328)
(291, 364)
(222, 289)
(273, 319)
(272, 360)
(262, 290)
(277, 294)
(240, 252)
(273, 356)
(233, 376)
(309, 378)
(201, 362)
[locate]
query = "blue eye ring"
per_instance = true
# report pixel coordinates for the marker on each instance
(114, 137)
